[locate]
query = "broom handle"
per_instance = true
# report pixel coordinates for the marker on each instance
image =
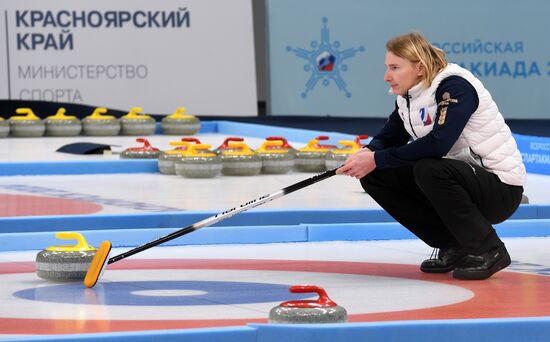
(226, 214)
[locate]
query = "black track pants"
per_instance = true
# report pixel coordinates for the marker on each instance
(445, 202)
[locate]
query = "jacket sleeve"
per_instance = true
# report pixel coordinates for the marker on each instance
(393, 134)
(446, 129)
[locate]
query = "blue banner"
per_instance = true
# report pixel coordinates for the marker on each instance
(327, 58)
(535, 152)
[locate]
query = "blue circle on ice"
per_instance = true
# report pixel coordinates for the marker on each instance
(162, 293)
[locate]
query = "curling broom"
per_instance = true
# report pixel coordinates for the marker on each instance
(101, 258)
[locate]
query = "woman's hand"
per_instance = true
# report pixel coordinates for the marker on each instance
(358, 165)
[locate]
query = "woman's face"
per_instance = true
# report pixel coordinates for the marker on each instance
(401, 74)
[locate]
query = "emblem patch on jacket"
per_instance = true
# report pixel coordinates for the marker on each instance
(425, 116)
(444, 104)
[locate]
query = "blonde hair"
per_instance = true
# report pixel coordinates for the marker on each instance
(415, 48)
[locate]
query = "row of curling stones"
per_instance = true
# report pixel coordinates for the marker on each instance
(65, 263)
(236, 158)
(30, 125)
(317, 157)
(321, 310)
(198, 161)
(62, 125)
(96, 124)
(275, 154)
(133, 123)
(224, 146)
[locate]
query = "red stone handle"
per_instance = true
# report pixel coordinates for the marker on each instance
(225, 143)
(322, 302)
(361, 137)
(324, 137)
(190, 139)
(283, 139)
(146, 146)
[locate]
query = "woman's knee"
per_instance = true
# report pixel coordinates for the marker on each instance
(366, 181)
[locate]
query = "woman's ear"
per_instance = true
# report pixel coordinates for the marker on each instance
(419, 69)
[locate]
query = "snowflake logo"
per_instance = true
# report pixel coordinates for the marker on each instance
(325, 61)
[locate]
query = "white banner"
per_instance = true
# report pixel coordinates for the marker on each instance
(158, 55)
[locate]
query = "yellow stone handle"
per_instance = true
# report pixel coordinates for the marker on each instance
(350, 143)
(239, 145)
(193, 151)
(271, 143)
(179, 143)
(196, 147)
(98, 114)
(135, 113)
(238, 148)
(313, 143)
(81, 244)
(29, 114)
(60, 115)
(313, 146)
(352, 147)
(178, 114)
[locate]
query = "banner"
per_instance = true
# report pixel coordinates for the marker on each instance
(327, 58)
(535, 152)
(158, 55)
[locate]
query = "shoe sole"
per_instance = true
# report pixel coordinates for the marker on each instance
(438, 270)
(480, 275)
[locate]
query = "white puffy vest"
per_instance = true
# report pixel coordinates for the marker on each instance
(486, 139)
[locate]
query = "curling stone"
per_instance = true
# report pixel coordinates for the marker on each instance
(275, 160)
(98, 124)
(4, 128)
(144, 152)
(337, 157)
(167, 159)
(198, 162)
(61, 125)
(312, 157)
(240, 160)
(321, 310)
(224, 146)
(180, 124)
(28, 125)
(63, 263)
(135, 123)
